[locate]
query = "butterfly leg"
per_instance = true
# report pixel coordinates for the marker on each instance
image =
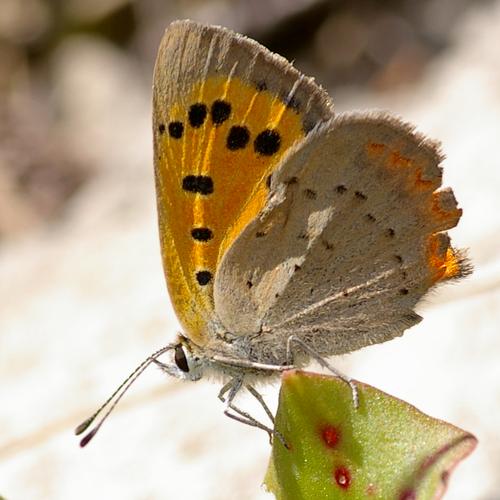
(322, 362)
(232, 411)
(258, 396)
(224, 389)
(253, 392)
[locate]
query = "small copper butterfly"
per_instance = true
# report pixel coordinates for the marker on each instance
(287, 231)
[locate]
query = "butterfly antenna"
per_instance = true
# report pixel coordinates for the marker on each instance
(116, 396)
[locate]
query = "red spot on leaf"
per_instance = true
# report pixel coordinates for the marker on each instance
(371, 490)
(408, 494)
(330, 435)
(342, 477)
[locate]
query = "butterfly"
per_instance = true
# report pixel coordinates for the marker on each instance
(287, 232)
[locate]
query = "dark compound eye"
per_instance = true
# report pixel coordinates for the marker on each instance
(180, 359)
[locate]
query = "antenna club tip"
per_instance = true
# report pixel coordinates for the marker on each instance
(85, 441)
(83, 426)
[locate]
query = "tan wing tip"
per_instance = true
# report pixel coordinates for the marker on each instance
(179, 29)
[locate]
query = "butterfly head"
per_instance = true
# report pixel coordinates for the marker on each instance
(189, 364)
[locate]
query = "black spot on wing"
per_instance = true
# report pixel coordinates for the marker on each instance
(197, 114)
(220, 111)
(267, 142)
(175, 129)
(237, 138)
(203, 277)
(201, 184)
(202, 234)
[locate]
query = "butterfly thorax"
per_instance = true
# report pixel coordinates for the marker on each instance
(228, 356)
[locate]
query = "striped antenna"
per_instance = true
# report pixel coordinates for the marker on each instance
(116, 396)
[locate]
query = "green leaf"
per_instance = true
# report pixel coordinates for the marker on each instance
(385, 449)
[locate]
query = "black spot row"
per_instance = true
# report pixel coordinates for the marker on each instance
(197, 114)
(266, 143)
(202, 234)
(341, 189)
(390, 233)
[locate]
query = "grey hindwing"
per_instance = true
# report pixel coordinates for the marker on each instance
(339, 255)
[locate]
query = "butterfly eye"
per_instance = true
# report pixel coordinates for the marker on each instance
(180, 359)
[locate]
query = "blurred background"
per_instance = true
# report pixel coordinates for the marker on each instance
(82, 294)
